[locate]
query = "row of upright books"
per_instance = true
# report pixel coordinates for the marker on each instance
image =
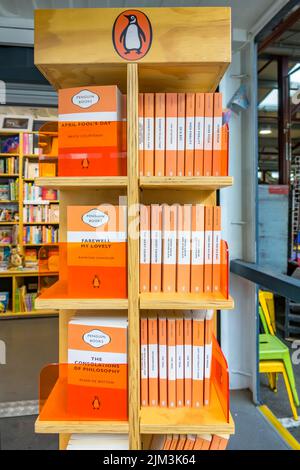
(9, 191)
(28, 144)
(189, 442)
(176, 355)
(181, 248)
(36, 234)
(41, 213)
(9, 165)
(182, 134)
(24, 300)
(30, 169)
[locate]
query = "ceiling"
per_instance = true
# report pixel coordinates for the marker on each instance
(245, 13)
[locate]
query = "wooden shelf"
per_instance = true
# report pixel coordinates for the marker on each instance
(32, 155)
(55, 400)
(40, 223)
(9, 175)
(27, 273)
(10, 154)
(206, 420)
(56, 297)
(178, 301)
(31, 314)
(186, 182)
(77, 182)
(40, 244)
(9, 223)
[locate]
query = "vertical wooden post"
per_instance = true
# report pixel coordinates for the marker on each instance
(133, 259)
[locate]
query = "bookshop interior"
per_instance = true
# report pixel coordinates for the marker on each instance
(150, 225)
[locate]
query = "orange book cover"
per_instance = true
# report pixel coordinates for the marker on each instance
(208, 134)
(219, 442)
(181, 442)
(144, 361)
(198, 358)
(169, 224)
(208, 249)
(145, 248)
(203, 442)
(180, 133)
(179, 361)
(216, 274)
(188, 339)
(97, 251)
(171, 134)
(208, 354)
(189, 134)
(90, 131)
(163, 361)
(94, 391)
(190, 442)
(171, 338)
(197, 249)
(184, 229)
(160, 139)
(199, 134)
(225, 150)
(217, 135)
(141, 134)
(148, 134)
(168, 441)
(153, 360)
(156, 247)
(174, 442)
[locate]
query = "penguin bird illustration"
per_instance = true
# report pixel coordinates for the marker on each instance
(132, 36)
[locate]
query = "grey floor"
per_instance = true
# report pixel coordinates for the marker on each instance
(252, 430)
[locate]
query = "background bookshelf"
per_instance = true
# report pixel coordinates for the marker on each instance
(28, 217)
(173, 64)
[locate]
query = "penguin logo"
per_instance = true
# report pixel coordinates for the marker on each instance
(96, 282)
(85, 163)
(96, 403)
(132, 35)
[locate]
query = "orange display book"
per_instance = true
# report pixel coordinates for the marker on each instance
(171, 338)
(96, 391)
(217, 135)
(197, 249)
(171, 134)
(162, 361)
(219, 442)
(216, 267)
(188, 360)
(141, 134)
(179, 361)
(169, 223)
(208, 134)
(160, 145)
(203, 442)
(225, 150)
(198, 358)
(208, 355)
(153, 359)
(181, 442)
(199, 134)
(144, 361)
(145, 248)
(168, 441)
(174, 442)
(208, 249)
(180, 133)
(90, 131)
(148, 134)
(184, 226)
(189, 134)
(156, 247)
(97, 251)
(190, 442)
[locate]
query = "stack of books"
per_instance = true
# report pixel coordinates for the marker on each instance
(31, 259)
(176, 357)
(9, 165)
(181, 248)
(189, 442)
(182, 134)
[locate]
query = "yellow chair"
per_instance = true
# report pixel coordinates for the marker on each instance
(276, 367)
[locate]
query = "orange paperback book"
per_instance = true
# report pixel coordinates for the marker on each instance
(162, 361)
(198, 358)
(153, 360)
(203, 442)
(208, 134)
(145, 248)
(184, 226)
(181, 442)
(174, 442)
(208, 250)
(90, 131)
(219, 442)
(225, 150)
(97, 371)
(160, 146)
(148, 134)
(190, 442)
(197, 249)
(97, 251)
(169, 223)
(144, 361)
(217, 135)
(199, 134)
(156, 247)
(208, 354)
(171, 134)
(124, 136)
(180, 133)
(141, 134)
(179, 361)
(168, 441)
(216, 275)
(188, 339)
(171, 338)
(189, 134)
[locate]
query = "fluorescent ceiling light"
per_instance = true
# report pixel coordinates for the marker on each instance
(265, 131)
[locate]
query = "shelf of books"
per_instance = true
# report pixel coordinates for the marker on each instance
(29, 218)
(143, 148)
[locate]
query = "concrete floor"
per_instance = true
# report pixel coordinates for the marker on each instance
(252, 430)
